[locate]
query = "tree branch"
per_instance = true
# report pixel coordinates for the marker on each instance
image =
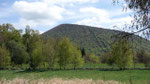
(141, 30)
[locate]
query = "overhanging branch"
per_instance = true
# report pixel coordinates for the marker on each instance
(141, 30)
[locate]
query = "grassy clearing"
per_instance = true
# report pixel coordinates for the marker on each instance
(137, 76)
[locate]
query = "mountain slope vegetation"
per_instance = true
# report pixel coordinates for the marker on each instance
(92, 39)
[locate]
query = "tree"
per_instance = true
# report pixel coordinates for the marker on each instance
(36, 56)
(107, 58)
(27, 38)
(4, 57)
(141, 10)
(94, 59)
(140, 55)
(33, 43)
(49, 51)
(141, 21)
(16, 35)
(18, 53)
(143, 57)
(135, 59)
(91, 58)
(35, 50)
(122, 54)
(64, 52)
(8, 33)
(147, 61)
(83, 52)
(77, 59)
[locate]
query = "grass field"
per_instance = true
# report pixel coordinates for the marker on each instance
(106, 66)
(137, 76)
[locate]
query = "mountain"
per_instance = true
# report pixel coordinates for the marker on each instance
(92, 39)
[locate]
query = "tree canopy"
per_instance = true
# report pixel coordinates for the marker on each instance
(122, 54)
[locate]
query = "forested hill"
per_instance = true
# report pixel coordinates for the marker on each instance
(92, 39)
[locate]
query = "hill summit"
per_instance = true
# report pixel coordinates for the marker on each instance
(91, 39)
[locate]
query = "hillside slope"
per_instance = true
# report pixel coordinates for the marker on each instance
(92, 39)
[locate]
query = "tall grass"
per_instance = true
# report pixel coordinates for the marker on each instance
(56, 81)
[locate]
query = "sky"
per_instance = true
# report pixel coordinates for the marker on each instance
(43, 15)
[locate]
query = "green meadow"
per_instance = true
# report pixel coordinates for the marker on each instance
(136, 76)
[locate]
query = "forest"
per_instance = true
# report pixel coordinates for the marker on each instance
(29, 50)
(89, 42)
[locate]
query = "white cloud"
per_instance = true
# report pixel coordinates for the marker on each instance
(91, 11)
(45, 12)
(38, 13)
(103, 18)
(69, 1)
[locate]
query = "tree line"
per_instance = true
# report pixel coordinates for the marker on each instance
(29, 48)
(124, 56)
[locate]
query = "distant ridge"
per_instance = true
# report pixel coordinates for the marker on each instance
(93, 39)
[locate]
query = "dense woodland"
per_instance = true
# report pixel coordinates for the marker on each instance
(93, 39)
(32, 51)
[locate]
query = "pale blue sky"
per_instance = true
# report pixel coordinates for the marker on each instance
(43, 15)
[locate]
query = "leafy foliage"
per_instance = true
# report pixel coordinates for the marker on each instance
(18, 53)
(143, 57)
(122, 54)
(93, 40)
(64, 52)
(4, 57)
(42, 52)
(91, 58)
(107, 58)
(77, 60)
(36, 56)
(49, 52)
(33, 43)
(8, 33)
